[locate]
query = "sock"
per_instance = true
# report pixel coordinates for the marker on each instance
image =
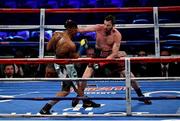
(139, 92)
(46, 108)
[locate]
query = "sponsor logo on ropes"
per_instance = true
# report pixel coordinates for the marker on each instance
(103, 90)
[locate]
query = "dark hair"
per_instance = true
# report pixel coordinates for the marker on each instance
(5, 65)
(70, 24)
(110, 18)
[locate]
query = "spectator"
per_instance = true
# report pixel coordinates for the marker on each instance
(31, 70)
(164, 69)
(34, 70)
(50, 71)
(9, 71)
(19, 68)
(90, 53)
(140, 69)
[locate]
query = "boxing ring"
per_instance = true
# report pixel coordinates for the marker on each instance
(22, 98)
(110, 89)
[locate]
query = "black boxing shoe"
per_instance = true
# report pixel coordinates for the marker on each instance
(75, 101)
(145, 100)
(46, 109)
(88, 103)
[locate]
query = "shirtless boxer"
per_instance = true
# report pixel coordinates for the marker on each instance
(108, 40)
(63, 46)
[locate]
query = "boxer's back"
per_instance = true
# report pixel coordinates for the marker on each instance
(65, 48)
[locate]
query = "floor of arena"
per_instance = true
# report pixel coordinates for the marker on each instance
(95, 89)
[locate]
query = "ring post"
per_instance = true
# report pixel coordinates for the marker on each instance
(41, 43)
(128, 86)
(156, 31)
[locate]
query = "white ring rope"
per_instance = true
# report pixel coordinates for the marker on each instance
(19, 27)
(118, 26)
(93, 79)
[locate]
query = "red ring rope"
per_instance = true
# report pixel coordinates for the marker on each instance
(86, 60)
(92, 10)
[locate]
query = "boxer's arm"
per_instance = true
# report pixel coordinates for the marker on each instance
(52, 42)
(88, 72)
(116, 46)
(90, 28)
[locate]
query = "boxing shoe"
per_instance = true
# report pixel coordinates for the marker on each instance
(145, 100)
(46, 109)
(88, 103)
(75, 101)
